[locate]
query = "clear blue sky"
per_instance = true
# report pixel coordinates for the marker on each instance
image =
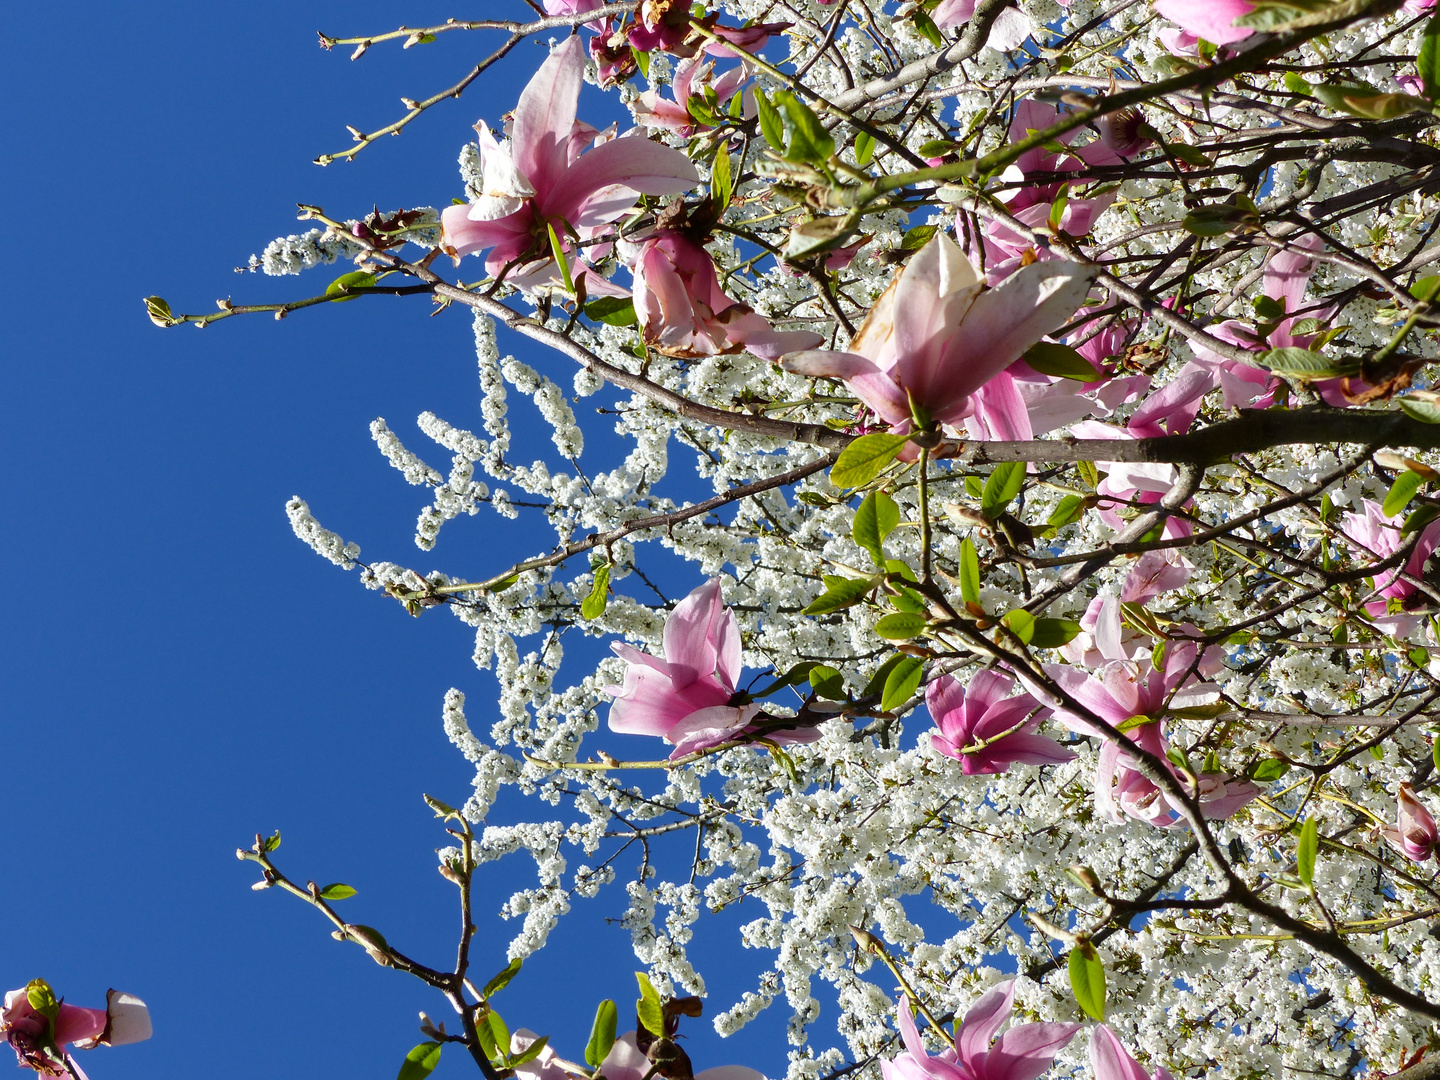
(178, 670)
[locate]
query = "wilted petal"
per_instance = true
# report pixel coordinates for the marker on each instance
(129, 1019)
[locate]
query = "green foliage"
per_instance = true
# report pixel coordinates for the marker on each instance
(1087, 979)
(602, 1033)
(420, 1062)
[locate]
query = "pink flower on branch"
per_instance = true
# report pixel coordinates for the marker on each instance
(1022, 1053)
(546, 179)
(1212, 20)
(683, 311)
(984, 729)
(1380, 536)
(688, 697)
(937, 335)
(39, 1026)
(1415, 834)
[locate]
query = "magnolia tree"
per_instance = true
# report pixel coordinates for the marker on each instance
(1059, 557)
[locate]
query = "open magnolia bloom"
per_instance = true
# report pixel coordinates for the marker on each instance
(1022, 1053)
(688, 698)
(1212, 20)
(683, 311)
(937, 334)
(1380, 535)
(1415, 834)
(547, 179)
(38, 1026)
(985, 730)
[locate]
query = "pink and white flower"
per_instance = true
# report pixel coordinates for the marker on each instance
(1379, 536)
(683, 311)
(986, 730)
(546, 178)
(1415, 834)
(688, 697)
(1212, 20)
(938, 334)
(1109, 1060)
(1022, 1053)
(39, 1027)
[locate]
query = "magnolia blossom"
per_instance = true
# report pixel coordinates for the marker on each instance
(1379, 536)
(1109, 1060)
(1212, 20)
(688, 698)
(683, 311)
(1009, 30)
(39, 1027)
(546, 179)
(1022, 1053)
(937, 334)
(626, 1062)
(1415, 834)
(984, 729)
(692, 77)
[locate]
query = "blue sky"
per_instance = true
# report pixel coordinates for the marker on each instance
(179, 670)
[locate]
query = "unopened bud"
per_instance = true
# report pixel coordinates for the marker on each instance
(867, 941)
(1085, 878)
(260, 886)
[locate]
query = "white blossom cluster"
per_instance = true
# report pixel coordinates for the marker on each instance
(872, 826)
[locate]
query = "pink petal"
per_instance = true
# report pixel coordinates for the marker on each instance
(1212, 20)
(1000, 411)
(74, 1024)
(129, 1019)
(1031, 750)
(603, 184)
(984, 1020)
(873, 386)
(545, 116)
(1109, 1060)
(1024, 1052)
(709, 727)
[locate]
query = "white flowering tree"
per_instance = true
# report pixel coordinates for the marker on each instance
(1035, 397)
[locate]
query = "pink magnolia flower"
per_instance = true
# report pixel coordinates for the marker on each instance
(692, 77)
(683, 311)
(986, 731)
(1022, 1053)
(937, 334)
(1380, 536)
(546, 177)
(1109, 1060)
(689, 698)
(1213, 20)
(1007, 32)
(39, 1027)
(1415, 834)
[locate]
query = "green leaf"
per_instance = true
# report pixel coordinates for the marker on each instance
(877, 682)
(864, 148)
(1423, 411)
(862, 460)
(1002, 485)
(1268, 771)
(1089, 473)
(902, 682)
(642, 61)
(648, 1010)
(1268, 308)
(612, 310)
(159, 312)
(602, 1033)
(1435, 751)
(900, 626)
(1306, 365)
(530, 1053)
(499, 1033)
(806, 137)
(1052, 633)
(1306, 851)
(874, 521)
(421, 1061)
(1061, 361)
(1429, 59)
(273, 843)
(1359, 99)
(1208, 221)
(907, 600)
(1402, 490)
(827, 682)
(593, 606)
(558, 252)
(926, 28)
(501, 979)
(1423, 288)
(336, 891)
(1191, 155)
(722, 184)
(1020, 623)
(969, 572)
(916, 238)
(840, 593)
(937, 148)
(1087, 979)
(1297, 83)
(1067, 511)
(340, 288)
